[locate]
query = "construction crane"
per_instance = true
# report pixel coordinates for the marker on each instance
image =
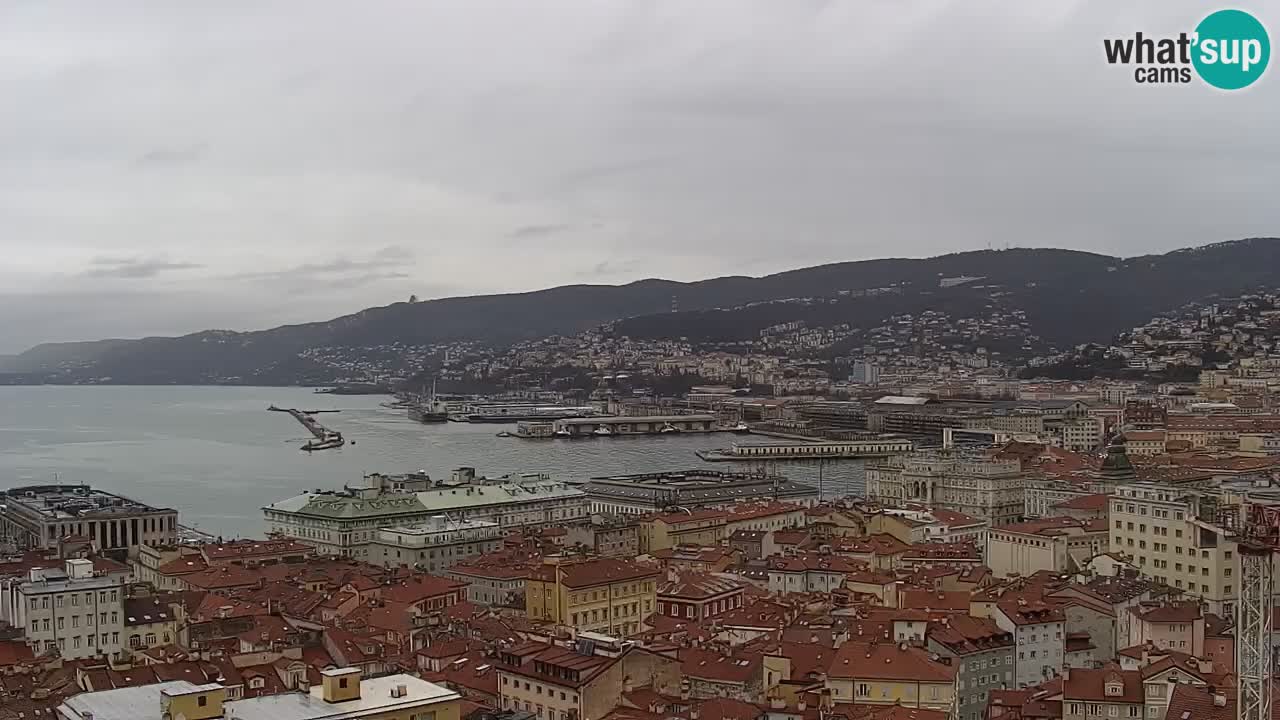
(1258, 540)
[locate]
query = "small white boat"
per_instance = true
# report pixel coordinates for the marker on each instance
(504, 433)
(741, 427)
(669, 428)
(562, 432)
(602, 431)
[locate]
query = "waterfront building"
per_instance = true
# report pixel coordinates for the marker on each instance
(971, 484)
(345, 522)
(342, 693)
(66, 609)
(436, 544)
(39, 516)
(605, 595)
(656, 492)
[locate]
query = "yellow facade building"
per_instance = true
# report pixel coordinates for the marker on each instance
(891, 674)
(700, 527)
(605, 595)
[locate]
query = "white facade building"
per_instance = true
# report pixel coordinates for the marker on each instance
(69, 610)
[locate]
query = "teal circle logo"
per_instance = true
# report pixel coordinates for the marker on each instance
(1231, 49)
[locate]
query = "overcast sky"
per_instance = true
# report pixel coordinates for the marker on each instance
(172, 166)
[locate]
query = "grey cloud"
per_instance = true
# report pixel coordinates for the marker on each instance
(529, 231)
(614, 139)
(133, 268)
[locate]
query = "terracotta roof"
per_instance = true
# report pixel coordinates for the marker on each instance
(1092, 685)
(718, 667)
(14, 652)
(955, 520)
(888, 661)
(956, 601)
(696, 516)
(699, 586)
(964, 634)
(421, 587)
(1198, 703)
(1175, 613)
(222, 577)
(1031, 613)
(242, 549)
(596, 572)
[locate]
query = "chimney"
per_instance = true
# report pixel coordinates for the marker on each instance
(1219, 700)
(801, 705)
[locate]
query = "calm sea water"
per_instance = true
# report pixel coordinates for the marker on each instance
(218, 456)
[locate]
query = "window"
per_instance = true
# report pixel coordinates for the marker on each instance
(202, 701)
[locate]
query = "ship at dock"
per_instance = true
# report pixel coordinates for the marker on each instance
(518, 412)
(429, 408)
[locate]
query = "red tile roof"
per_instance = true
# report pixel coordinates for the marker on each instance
(1092, 685)
(716, 666)
(596, 572)
(888, 661)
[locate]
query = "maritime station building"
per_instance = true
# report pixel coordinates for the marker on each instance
(656, 492)
(39, 516)
(348, 522)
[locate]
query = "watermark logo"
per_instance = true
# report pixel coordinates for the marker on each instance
(1229, 50)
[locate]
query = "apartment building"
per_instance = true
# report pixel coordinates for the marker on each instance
(1060, 544)
(1144, 443)
(698, 596)
(605, 595)
(1106, 693)
(699, 527)
(1173, 537)
(1039, 631)
(890, 674)
(580, 680)
(983, 654)
(1168, 626)
(70, 610)
(436, 544)
(1082, 434)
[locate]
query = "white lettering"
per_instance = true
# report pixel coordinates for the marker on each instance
(1209, 51)
(1252, 54)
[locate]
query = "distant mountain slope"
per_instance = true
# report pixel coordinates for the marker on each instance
(1070, 297)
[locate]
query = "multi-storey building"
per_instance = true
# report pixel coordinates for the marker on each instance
(436, 544)
(983, 653)
(1039, 632)
(696, 596)
(975, 485)
(555, 682)
(607, 536)
(39, 516)
(1174, 536)
(70, 610)
(1059, 544)
(1082, 434)
(1042, 494)
(1106, 693)
(492, 584)
(694, 489)
(605, 595)
(345, 522)
(891, 674)
(701, 527)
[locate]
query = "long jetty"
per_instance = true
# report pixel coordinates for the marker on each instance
(325, 438)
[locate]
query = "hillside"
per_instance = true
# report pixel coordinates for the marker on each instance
(1068, 297)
